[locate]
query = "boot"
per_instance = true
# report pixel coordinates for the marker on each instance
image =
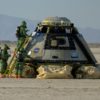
(19, 76)
(1, 75)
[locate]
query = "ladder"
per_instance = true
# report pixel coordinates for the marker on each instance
(29, 41)
(13, 60)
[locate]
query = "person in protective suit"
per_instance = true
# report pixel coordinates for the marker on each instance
(20, 63)
(18, 35)
(21, 33)
(0, 60)
(23, 29)
(1, 68)
(0, 52)
(4, 58)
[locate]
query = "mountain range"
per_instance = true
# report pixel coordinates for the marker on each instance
(8, 25)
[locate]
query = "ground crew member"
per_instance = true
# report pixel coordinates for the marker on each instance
(0, 52)
(23, 29)
(18, 35)
(21, 34)
(0, 63)
(4, 58)
(20, 63)
(1, 68)
(73, 29)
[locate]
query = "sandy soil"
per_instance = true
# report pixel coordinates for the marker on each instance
(96, 52)
(34, 89)
(51, 89)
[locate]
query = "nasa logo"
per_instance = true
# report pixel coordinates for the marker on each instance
(36, 50)
(74, 55)
(38, 34)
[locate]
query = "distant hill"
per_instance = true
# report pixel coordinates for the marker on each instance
(91, 35)
(8, 26)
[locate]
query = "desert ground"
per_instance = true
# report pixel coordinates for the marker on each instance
(51, 89)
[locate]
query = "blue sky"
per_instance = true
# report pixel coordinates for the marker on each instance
(84, 13)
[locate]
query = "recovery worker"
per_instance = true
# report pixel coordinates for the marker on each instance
(20, 63)
(0, 52)
(0, 62)
(21, 33)
(4, 59)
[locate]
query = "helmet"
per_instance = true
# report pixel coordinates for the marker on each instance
(23, 23)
